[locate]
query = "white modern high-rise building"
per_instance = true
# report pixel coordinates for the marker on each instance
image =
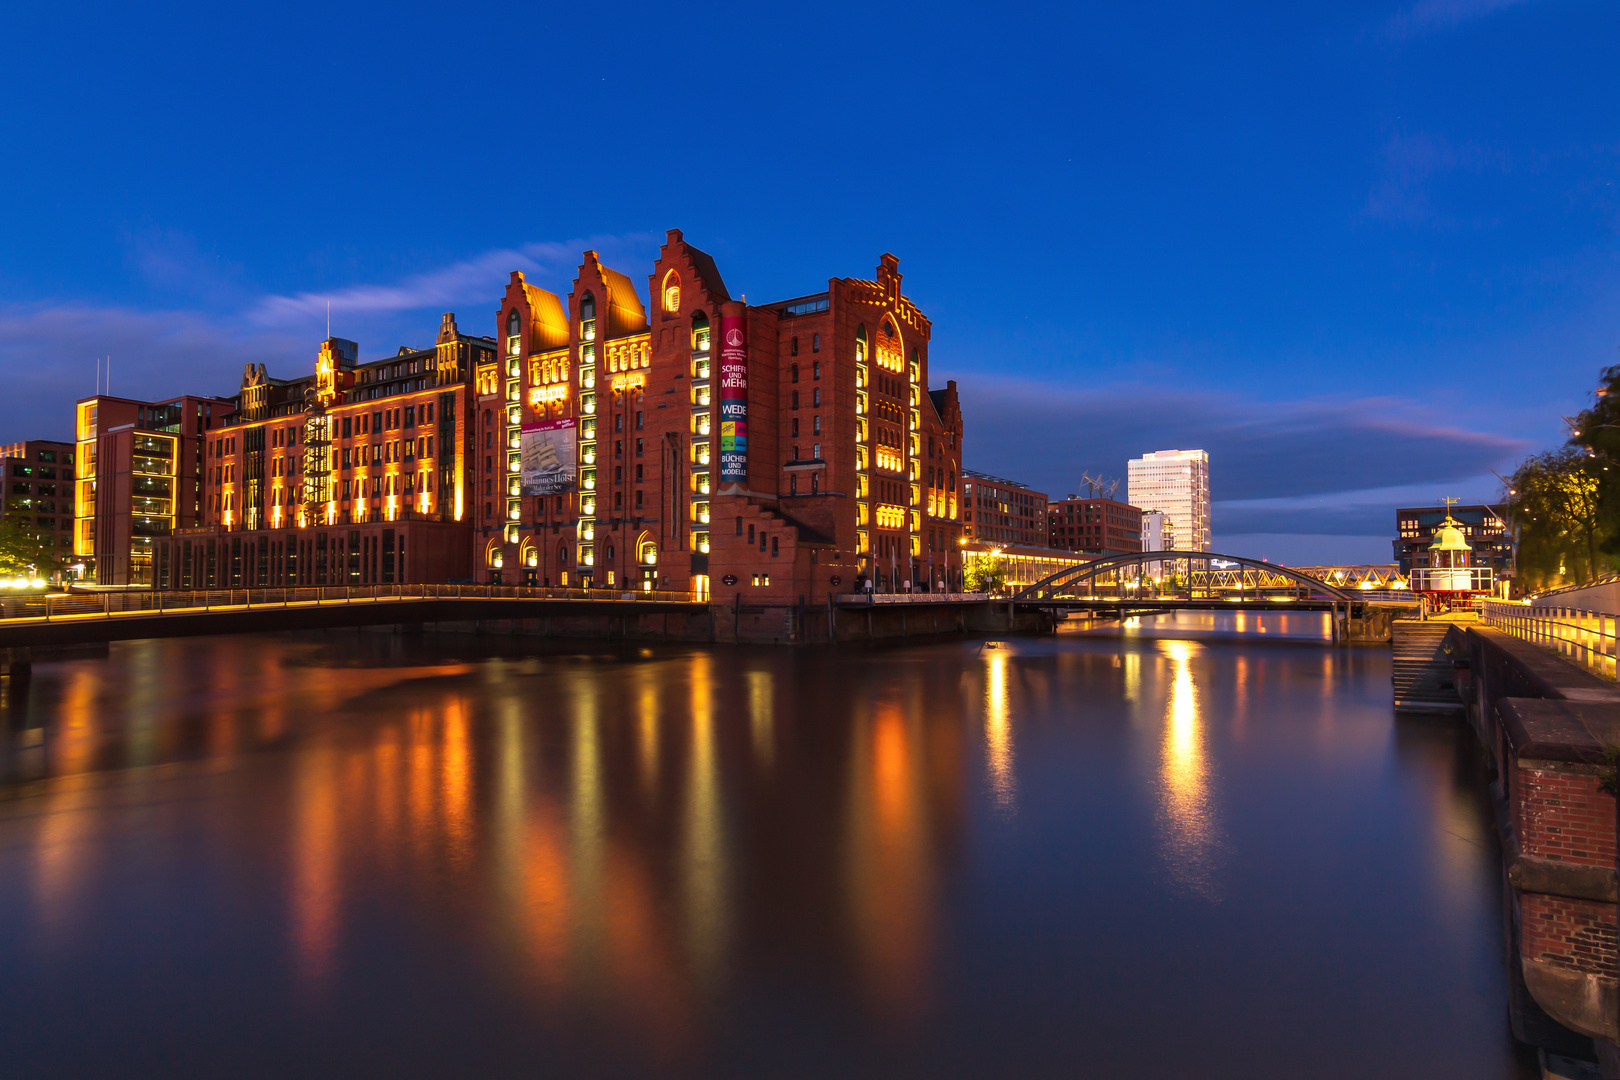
(1174, 483)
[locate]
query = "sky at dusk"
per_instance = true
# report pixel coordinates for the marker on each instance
(1363, 254)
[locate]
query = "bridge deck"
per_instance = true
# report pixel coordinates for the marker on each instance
(77, 619)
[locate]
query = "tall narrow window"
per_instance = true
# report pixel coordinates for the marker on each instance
(700, 332)
(793, 347)
(794, 373)
(672, 292)
(860, 344)
(514, 334)
(815, 342)
(587, 317)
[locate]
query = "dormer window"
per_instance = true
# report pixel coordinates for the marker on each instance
(514, 334)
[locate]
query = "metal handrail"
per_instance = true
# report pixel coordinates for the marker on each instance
(17, 610)
(1584, 637)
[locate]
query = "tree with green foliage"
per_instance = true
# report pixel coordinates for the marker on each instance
(25, 551)
(1596, 431)
(986, 574)
(1555, 502)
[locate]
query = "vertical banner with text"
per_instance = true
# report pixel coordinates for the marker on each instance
(733, 395)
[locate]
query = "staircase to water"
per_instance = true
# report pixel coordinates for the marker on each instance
(1424, 678)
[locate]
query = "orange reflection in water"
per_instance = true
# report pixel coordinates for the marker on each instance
(890, 860)
(1187, 821)
(315, 845)
(998, 731)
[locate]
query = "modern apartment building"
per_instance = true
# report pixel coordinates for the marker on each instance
(1153, 532)
(1176, 484)
(1094, 526)
(1003, 511)
(138, 478)
(1482, 526)
(36, 477)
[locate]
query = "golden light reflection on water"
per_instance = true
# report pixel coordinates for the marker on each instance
(1187, 817)
(890, 859)
(761, 720)
(703, 855)
(998, 733)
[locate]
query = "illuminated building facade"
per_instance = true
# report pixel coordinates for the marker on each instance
(603, 441)
(1000, 511)
(356, 474)
(36, 477)
(137, 479)
(1094, 526)
(1174, 483)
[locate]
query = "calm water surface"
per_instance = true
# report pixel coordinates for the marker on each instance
(1139, 853)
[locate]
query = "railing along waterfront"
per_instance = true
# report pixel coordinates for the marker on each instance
(1584, 637)
(53, 607)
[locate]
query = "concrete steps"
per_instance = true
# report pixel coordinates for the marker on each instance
(1424, 679)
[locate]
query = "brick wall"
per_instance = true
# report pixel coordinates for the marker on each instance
(1564, 816)
(1578, 935)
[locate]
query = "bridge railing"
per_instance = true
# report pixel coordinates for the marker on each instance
(110, 604)
(1584, 637)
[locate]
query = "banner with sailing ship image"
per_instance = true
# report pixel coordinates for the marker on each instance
(550, 456)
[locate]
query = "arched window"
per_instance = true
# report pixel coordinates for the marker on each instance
(647, 553)
(672, 293)
(860, 344)
(562, 554)
(700, 332)
(587, 317)
(514, 333)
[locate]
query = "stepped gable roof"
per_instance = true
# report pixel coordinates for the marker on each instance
(703, 263)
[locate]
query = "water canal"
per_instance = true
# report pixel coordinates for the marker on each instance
(1162, 851)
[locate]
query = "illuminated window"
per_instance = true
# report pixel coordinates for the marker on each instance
(514, 334)
(672, 292)
(587, 317)
(860, 344)
(700, 333)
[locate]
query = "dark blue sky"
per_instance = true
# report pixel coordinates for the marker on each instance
(1362, 253)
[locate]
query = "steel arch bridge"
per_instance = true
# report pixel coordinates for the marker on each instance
(1165, 579)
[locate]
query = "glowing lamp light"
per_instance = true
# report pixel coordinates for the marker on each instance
(38, 583)
(540, 395)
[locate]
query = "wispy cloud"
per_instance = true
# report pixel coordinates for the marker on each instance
(49, 354)
(1430, 15)
(49, 351)
(473, 280)
(1047, 434)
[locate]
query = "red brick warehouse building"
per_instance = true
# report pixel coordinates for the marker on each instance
(355, 474)
(600, 439)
